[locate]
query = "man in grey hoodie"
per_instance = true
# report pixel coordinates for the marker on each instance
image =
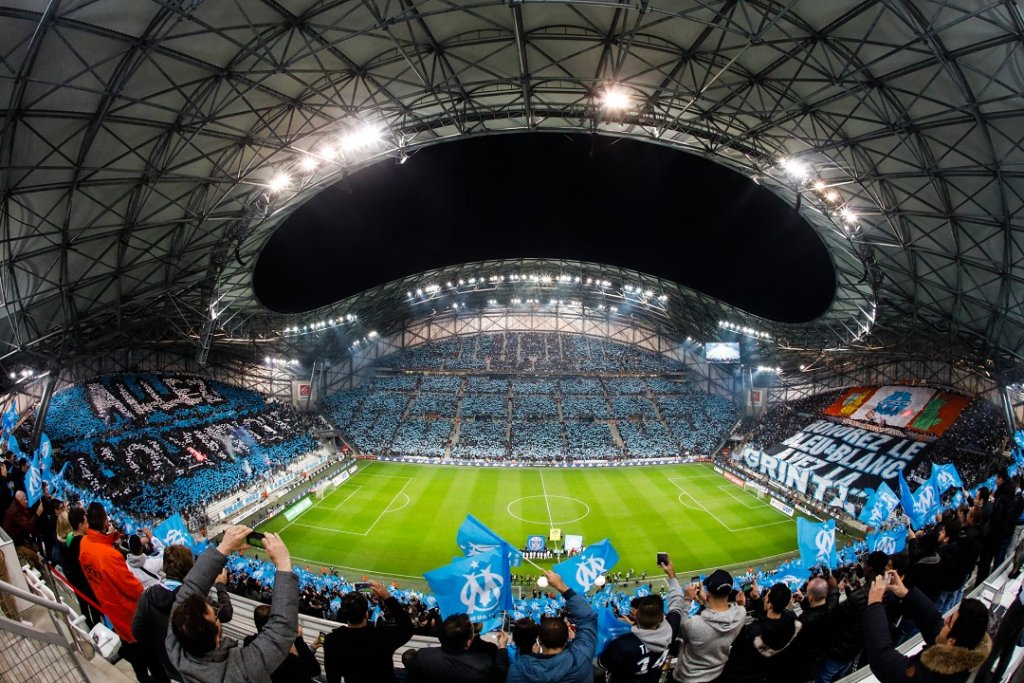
(638, 656)
(708, 636)
(196, 646)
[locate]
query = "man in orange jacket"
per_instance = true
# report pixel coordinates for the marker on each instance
(116, 588)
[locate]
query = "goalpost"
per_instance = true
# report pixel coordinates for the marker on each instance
(324, 489)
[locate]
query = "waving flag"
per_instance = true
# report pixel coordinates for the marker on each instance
(817, 542)
(59, 482)
(45, 454)
(172, 531)
(879, 506)
(609, 627)
(479, 586)
(580, 572)
(889, 542)
(33, 482)
(922, 506)
(794, 576)
(945, 477)
(10, 417)
(13, 447)
(475, 539)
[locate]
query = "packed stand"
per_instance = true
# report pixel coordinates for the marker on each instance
(155, 444)
(782, 420)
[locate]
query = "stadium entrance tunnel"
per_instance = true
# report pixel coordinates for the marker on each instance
(613, 201)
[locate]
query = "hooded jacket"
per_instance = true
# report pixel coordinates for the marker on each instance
(367, 653)
(762, 651)
(571, 665)
(638, 656)
(935, 663)
(114, 586)
(148, 569)
(229, 662)
(707, 638)
(153, 616)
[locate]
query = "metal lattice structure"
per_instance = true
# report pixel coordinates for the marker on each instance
(140, 143)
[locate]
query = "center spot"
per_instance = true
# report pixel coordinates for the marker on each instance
(534, 510)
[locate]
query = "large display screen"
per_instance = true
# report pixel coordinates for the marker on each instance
(722, 352)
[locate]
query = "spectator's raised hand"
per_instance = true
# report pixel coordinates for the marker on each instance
(234, 539)
(877, 591)
(555, 581)
(277, 552)
(670, 569)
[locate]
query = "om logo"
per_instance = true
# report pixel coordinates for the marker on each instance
(588, 570)
(479, 548)
(894, 403)
(824, 541)
(886, 544)
(480, 590)
(925, 499)
(175, 537)
(945, 480)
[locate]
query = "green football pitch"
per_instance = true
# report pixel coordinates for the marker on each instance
(392, 520)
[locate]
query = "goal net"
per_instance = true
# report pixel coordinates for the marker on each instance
(324, 489)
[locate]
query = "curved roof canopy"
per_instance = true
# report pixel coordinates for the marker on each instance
(148, 149)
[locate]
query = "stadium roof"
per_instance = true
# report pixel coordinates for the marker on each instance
(148, 149)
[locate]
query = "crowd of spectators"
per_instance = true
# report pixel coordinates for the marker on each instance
(407, 410)
(781, 420)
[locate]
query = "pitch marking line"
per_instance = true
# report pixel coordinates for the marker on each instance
(331, 530)
(388, 508)
(742, 500)
(700, 504)
(543, 488)
(353, 489)
(685, 504)
(361, 570)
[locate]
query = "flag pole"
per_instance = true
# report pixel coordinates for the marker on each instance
(533, 564)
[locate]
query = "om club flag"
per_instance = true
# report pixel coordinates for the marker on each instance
(888, 542)
(946, 477)
(33, 482)
(609, 627)
(172, 531)
(45, 453)
(817, 542)
(478, 585)
(580, 572)
(794, 576)
(879, 506)
(475, 538)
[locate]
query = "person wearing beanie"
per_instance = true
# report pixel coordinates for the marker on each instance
(708, 635)
(762, 651)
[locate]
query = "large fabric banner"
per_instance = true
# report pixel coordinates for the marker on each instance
(894, 406)
(828, 457)
(940, 413)
(850, 400)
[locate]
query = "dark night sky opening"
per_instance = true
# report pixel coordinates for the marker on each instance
(613, 201)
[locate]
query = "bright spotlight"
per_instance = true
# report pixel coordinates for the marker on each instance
(362, 137)
(280, 182)
(309, 163)
(796, 169)
(848, 216)
(615, 98)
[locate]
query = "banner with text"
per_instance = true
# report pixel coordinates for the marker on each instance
(894, 406)
(828, 461)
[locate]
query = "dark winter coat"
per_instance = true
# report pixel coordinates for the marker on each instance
(367, 653)
(296, 668)
(762, 650)
(440, 665)
(935, 663)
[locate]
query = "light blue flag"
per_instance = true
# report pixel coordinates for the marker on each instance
(609, 627)
(45, 453)
(817, 542)
(794, 576)
(479, 586)
(945, 477)
(909, 503)
(580, 572)
(13, 447)
(33, 482)
(475, 538)
(881, 504)
(172, 531)
(10, 417)
(926, 505)
(889, 542)
(59, 482)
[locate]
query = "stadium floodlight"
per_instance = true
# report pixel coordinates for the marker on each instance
(795, 169)
(848, 216)
(615, 98)
(832, 197)
(361, 138)
(309, 163)
(279, 182)
(819, 185)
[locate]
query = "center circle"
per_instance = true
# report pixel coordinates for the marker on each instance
(544, 510)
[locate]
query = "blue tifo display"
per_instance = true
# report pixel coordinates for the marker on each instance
(154, 444)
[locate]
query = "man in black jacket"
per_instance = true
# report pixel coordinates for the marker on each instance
(762, 651)
(361, 651)
(457, 661)
(300, 666)
(815, 616)
(954, 647)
